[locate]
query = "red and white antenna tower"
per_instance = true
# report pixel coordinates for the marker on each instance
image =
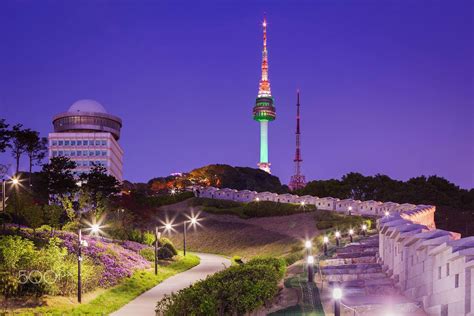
(297, 180)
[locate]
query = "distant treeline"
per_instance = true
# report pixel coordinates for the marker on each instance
(455, 206)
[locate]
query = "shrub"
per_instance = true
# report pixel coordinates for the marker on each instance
(333, 220)
(164, 253)
(148, 238)
(49, 270)
(235, 291)
(237, 259)
(72, 227)
(166, 243)
(148, 254)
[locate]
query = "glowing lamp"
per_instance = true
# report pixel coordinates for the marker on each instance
(338, 234)
(337, 293)
(310, 260)
(15, 181)
(325, 239)
(364, 227)
(95, 228)
(307, 244)
(351, 231)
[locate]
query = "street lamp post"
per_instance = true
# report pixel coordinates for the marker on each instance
(310, 261)
(350, 210)
(325, 245)
(82, 243)
(308, 245)
(192, 221)
(338, 236)
(351, 232)
(337, 295)
(3, 195)
(364, 228)
(157, 238)
(95, 228)
(15, 182)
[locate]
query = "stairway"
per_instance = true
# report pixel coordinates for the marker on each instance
(367, 289)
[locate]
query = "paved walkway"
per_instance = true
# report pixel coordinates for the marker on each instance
(145, 304)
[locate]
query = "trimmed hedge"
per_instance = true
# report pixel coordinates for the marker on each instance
(251, 209)
(238, 290)
(332, 220)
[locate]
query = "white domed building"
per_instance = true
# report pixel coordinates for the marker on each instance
(88, 135)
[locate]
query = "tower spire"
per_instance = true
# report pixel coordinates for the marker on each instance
(298, 180)
(264, 86)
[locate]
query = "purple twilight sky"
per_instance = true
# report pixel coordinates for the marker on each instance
(386, 86)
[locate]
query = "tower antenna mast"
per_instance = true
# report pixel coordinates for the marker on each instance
(298, 180)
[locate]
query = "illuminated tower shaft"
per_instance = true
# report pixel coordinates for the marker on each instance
(264, 109)
(298, 180)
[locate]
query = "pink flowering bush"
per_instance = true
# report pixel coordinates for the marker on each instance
(117, 261)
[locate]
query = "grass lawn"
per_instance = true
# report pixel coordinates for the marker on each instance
(110, 300)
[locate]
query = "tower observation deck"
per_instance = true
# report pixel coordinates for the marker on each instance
(264, 109)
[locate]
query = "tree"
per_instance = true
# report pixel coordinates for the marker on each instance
(57, 179)
(4, 135)
(52, 213)
(18, 143)
(32, 213)
(96, 188)
(36, 148)
(98, 183)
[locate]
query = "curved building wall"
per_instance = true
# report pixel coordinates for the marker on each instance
(87, 122)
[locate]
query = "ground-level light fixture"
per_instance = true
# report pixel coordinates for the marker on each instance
(308, 245)
(387, 213)
(364, 228)
(257, 199)
(351, 232)
(325, 245)
(337, 296)
(310, 262)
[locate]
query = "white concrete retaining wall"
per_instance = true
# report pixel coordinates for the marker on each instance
(432, 266)
(373, 208)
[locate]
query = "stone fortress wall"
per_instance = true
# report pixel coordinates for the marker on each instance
(432, 266)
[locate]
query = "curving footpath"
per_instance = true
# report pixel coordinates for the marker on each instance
(145, 304)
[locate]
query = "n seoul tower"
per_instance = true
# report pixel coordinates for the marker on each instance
(264, 110)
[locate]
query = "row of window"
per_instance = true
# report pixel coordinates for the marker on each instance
(90, 163)
(79, 153)
(85, 142)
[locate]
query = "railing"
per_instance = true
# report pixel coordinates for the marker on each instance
(354, 311)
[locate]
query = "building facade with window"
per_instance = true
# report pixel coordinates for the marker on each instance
(88, 135)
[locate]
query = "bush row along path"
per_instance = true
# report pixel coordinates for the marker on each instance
(145, 304)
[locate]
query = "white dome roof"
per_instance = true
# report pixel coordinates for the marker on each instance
(87, 106)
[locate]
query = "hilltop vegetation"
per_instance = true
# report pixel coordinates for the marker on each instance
(221, 176)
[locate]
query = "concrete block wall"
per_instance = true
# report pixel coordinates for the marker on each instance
(373, 208)
(432, 266)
